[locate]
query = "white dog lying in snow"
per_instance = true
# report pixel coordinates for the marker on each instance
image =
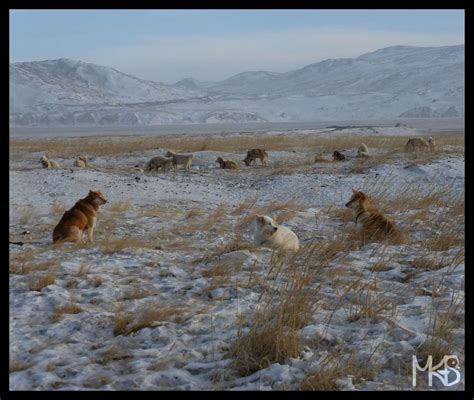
(269, 234)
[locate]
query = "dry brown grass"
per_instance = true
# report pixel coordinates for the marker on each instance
(26, 214)
(335, 367)
(126, 323)
(114, 353)
(428, 264)
(39, 282)
(285, 215)
(157, 210)
(111, 246)
(83, 270)
(135, 293)
(285, 306)
(96, 382)
(16, 366)
(194, 212)
(119, 206)
(368, 304)
(57, 208)
(383, 263)
(318, 158)
(235, 244)
(280, 205)
(97, 281)
(24, 264)
(221, 274)
(71, 308)
(213, 221)
(225, 269)
(283, 168)
(71, 147)
(445, 240)
(245, 206)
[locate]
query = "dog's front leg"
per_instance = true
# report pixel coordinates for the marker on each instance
(90, 231)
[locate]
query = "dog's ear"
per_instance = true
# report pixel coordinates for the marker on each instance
(260, 219)
(354, 191)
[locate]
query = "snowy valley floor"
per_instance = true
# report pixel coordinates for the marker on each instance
(173, 294)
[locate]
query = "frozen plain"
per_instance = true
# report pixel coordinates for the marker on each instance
(160, 245)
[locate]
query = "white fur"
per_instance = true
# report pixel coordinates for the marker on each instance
(266, 235)
(363, 151)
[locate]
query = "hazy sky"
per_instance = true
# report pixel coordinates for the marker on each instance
(168, 45)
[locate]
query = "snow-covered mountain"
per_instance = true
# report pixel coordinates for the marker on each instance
(68, 82)
(398, 81)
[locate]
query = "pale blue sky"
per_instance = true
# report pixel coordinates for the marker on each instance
(168, 45)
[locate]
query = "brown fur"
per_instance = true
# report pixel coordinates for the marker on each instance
(227, 164)
(337, 156)
(253, 154)
(418, 143)
(82, 216)
(45, 162)
(158, 162)
(320, 158)
(375, 226)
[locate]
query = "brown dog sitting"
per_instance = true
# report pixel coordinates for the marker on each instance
(227, 164)
(82, 216)
(374, 225)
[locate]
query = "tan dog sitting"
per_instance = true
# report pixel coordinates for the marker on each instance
(82, 216)
(375, 226)
(47, 163)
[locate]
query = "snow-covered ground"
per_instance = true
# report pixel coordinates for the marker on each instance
(159, 249)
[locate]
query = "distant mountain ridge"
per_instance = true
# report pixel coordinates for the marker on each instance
(397, 81)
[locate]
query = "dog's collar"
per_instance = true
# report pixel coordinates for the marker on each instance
(358, 215)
